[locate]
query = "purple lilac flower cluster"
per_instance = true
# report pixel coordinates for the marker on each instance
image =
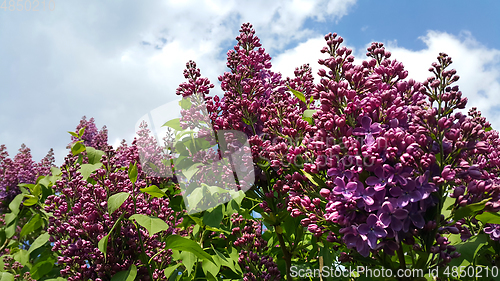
(81, 218)
(216, 167)
(373, 136)
(12, 266)
(257, 265)
(92, 137)
(247, 88)
(20, 169)
(381, 151)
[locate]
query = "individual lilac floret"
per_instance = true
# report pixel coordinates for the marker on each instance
(347, 190)
(493, 230)
(378, 181)
(406, 193)
(392, 217)
(367, 127)
(414, 216)
(340, 172)
(397, 174)
(373, 230)
(424, 186)
(366, 194)
(353, 239)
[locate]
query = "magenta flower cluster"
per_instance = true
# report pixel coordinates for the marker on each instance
(92, 136)
(81, 218)
(364, 160)
(388, 154)
(257, 265)
(20, 169)
(380, 150)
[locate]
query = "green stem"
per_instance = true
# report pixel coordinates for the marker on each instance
(286, 254)
(401, 256)
(139, 234)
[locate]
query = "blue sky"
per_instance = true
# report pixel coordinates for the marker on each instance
(116, 60)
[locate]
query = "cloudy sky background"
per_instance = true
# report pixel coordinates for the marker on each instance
(116, 61)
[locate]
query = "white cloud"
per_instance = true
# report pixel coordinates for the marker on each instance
(115, 61)
(477, 66)
(303, 53)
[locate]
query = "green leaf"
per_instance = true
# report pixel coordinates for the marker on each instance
(169, 270)
(488, 129)
(212, 268)
(154, 191)
(314, 179)
(27, 185)
(56, 279)
(81, 132)
(5, 276)
(34, 223)
(42, 268)
(11, 229)
(196, 196)
(132, 172)
(181, 134)
(328, 260)
(45, 181)
(188, 259)
(31, 200)
(191, 171)
(3, 237)
(469, 210)
(94, 155)
(22, 257)
(176, 242)
(103, 243)
(298, 94)
(116, 200)
(225, 261)
(74, 134)
(309, 120)
(448, 206)
(151, 224)
(174, 124)
(309, 113)
(36, 190)
(77, 148)
(55, 171)
(185, 103)
(39, 242)
(214, 216)
(87, 169)
(469, 249)
(126, 275)
(246, 121)
(488, 217)
(14, 205)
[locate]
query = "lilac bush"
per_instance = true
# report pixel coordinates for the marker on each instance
(81, 218)
(382, 152)
(363, 167)
(20, 169)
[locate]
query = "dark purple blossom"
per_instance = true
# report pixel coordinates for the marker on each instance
(380, 180)
(346, 190)
(391, 216)
(373, 230)
(406, 193)
(367, 128)
(397, 174)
